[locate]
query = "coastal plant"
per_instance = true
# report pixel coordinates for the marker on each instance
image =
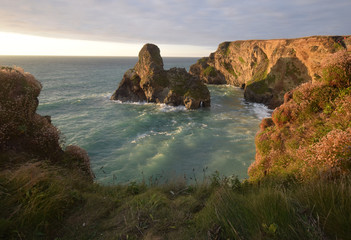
(264, 212)
(337, 70)
(34, 200)
(210, 72)
(332, 154)
(310, 132)
(241, 60)
(328, 204)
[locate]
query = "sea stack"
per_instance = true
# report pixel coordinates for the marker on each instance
(149, 82)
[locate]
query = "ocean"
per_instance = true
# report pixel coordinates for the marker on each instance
(142, 141)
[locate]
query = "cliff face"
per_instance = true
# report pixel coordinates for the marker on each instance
(267, 69)
(148, 81)
(26, 135)
(310, 133)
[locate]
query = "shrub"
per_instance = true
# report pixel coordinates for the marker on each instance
(78, 157)
(210, 71)
(331, 154)
(337, 70)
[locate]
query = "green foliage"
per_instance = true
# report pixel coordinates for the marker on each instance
(202, 60)
(337, 72)
(258, 87)
(291, 70)
(260, 70)
(265, 212)
(161, 79)
(280, 116)
(329, 202)
(34, 200)
(224, 48)
(242, 60)
(292, 51)
(60, 202)
(337, 46)
(230, 69)
(210, 72)
(311, 131)
(264, 145)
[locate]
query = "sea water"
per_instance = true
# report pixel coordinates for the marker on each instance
(137, 141)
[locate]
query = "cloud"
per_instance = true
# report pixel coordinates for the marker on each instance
(196, 22)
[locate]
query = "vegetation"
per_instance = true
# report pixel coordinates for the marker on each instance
(224, 48)
(311, 131)
(299, 186)
(260, 71)
(242, 60)
(40, 201)
(230, 69)
(210, 72)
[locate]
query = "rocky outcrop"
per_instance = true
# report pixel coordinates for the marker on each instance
(149, 82)
(309, 135)
(26, 135)
(267, 69)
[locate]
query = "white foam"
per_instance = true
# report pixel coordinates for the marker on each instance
(132, 103)
(149, 134)
(95, 95)
(261, 110)
(168, 108)
(161, 106)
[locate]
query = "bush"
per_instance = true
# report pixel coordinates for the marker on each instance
(337, 71)
(331, 155)
(311, 132)
(77, 157)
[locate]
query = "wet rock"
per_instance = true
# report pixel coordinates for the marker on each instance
(149, 82)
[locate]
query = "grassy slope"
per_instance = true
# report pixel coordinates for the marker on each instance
(40, 199)
(310, 134)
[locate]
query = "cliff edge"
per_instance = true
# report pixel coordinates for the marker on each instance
(310, 134)
(148, 81)
(267, 69)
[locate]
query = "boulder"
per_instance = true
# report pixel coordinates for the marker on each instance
(148, 81)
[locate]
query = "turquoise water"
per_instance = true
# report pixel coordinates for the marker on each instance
(132, 141)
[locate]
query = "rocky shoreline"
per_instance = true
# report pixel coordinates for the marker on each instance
(267, 69)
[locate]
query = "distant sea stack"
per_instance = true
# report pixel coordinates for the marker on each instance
(267, 69)
(149, 82)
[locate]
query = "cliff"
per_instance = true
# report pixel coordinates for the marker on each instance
(267, 69)
(26, 135)
(47, 193)
(148, 81)
(310, 134)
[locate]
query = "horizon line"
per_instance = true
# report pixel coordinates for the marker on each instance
(28, 55)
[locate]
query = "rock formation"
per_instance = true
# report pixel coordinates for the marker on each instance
(309, 135)
(26, 135)
(267, 69)
(148, 81)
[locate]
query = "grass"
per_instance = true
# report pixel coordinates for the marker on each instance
(210, 72)
(242, 60)
(312, 128)
(284, 198)
(60, 203)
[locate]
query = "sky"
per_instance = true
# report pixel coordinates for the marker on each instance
(187, 28)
